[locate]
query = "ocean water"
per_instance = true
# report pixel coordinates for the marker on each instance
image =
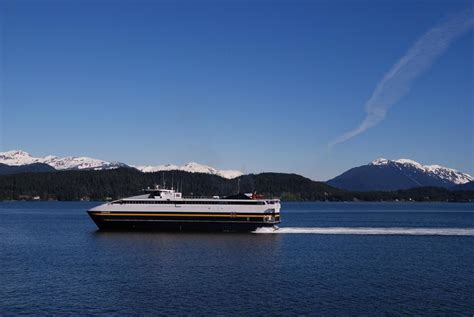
(326, 259)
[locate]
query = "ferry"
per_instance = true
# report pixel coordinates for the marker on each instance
(160, 209)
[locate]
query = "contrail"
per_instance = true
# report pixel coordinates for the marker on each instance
(397, 82)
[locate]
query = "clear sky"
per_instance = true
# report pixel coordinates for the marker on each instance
(249, 85)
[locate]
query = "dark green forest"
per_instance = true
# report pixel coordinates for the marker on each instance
(118, 183)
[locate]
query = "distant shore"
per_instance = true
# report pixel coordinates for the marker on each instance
(118, 183)
(283, 201)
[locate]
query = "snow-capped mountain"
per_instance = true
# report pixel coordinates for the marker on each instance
(19, 158)
(447, 174)
(158, 168)
(383, 174)
(191, 167)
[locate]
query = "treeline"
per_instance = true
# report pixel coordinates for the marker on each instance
(118, 183)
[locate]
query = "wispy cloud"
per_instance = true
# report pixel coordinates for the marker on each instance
(398, 81)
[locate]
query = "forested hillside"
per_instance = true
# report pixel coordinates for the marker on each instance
(113, 184)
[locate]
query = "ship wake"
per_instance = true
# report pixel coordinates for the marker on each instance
(370, 231)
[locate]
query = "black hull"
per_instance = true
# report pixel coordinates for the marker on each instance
(160, 223)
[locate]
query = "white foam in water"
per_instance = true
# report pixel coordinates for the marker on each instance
(373, 231)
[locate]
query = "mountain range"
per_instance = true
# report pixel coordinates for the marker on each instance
(379, 175)
(22, 158)
(388, 175)
(30, 163)
(191, 167)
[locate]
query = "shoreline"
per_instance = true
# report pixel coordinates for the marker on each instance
(283, 201)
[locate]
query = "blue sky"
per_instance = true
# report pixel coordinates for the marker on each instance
(249, 85)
